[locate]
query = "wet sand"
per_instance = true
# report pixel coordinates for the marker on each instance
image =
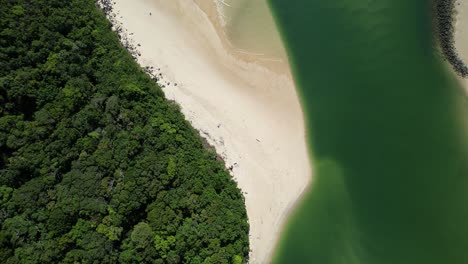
(245, 107)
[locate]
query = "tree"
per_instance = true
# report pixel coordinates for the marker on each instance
(96, 166)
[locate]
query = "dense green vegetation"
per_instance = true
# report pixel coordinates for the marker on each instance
(95, 165)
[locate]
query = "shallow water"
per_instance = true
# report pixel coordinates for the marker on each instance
(250, 28)
(387, 129)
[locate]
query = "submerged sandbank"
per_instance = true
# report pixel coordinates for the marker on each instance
(248, 109)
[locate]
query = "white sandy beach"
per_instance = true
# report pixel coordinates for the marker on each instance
(461, 33)
(249, 113)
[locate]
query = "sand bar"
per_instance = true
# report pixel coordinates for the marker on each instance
(250, 113)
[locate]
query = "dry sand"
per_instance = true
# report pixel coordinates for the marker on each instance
(250, 113)
(461, 33)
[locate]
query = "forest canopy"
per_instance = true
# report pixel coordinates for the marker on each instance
(96, 166)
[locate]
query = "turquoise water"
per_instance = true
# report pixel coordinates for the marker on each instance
(386, 127)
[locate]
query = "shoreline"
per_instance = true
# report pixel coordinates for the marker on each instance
(451, 30)
(445, 19)
(213, 10)
(219, 24)
(461, 35)
(249, 112)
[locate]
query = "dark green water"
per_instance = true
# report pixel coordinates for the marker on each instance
(387, 130)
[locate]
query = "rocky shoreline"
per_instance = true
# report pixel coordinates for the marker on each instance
(444, 23)
(106, 6)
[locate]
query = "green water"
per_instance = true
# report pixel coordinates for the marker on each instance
(386, 127)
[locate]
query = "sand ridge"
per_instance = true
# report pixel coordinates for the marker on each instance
(248, 112)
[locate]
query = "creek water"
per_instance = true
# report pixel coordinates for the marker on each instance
(386, 123)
